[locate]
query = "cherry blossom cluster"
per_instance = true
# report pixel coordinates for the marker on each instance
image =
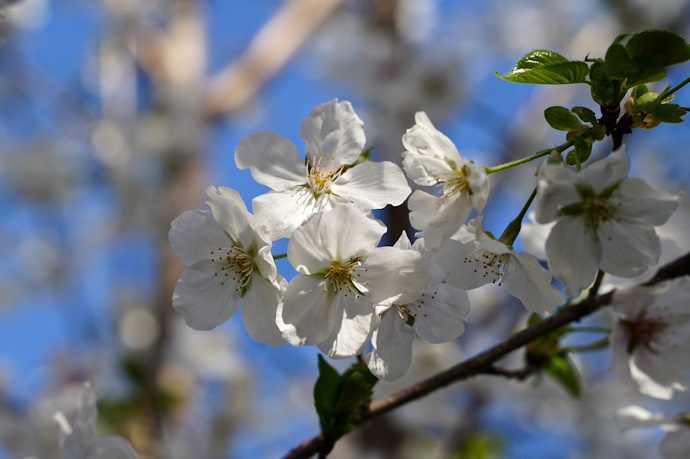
(350, 291)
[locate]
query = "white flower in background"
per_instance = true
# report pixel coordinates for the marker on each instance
(605, 220)
(484, 260)
(342, 271)
(652, 332)
(335, 138)
(432, 159)
(438, 316)
(81, 441)
(676, 442)
(228, 258)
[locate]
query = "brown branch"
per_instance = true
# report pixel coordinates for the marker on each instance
(511, 374)
(483, 363)
(272, 47)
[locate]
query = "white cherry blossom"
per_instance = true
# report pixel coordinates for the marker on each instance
(604, 220)
(432, 159)
(484, 260)
(82, 441)
(652, 334)
(342, 271)
(229, 262)
(437, 316)
(335, 138)
(676, 442)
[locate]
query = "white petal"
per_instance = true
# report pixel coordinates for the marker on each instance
(81, 443)
(334, 130)
(394, 275)
(676, 444)
(633, 417)
(374, 184)
(272, 159)
(403, 242)
(629, 247)
(424, 139)
(479, 184)
(641, 202)
(531, 284)
(307, 311)
(346, 232)
(206, 300)
(556, 188)
(618, 340)
(440, 313)
(574, 256)
(533, 237)
(259, 311)
(282, 212)
(606, 172)
(438, 218)
(305, 250)
(195, 234)
(113, 447)
(392, 341)
(456, 261)
(231, 214)
(424, 170)
(354, 320)
(655, 375)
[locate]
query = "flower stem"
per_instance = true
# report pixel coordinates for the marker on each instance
(591, 329)
(513, 229)
(279, 256)
(665, 94)
(538, 154)
(595, 346)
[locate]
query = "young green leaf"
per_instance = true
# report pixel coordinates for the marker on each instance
(664, 47)
(583, 148)
(585, 114)
(546, 67)
(562, 119)
(563, 371)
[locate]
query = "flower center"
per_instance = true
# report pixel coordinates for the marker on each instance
(489, 264)
(320, 175)
(455, 182)
(651, 332)
(235, 266)
(341, 276)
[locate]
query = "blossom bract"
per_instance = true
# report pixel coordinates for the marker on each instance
(484, 260)
(437, 316)
(342, 272)
(335, 138)
(82, 441)
(652, 333)
(432, 159)
(229, 262)
(605, 220)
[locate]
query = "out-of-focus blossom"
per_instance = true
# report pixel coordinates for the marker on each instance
(676, 442)
(652, 332)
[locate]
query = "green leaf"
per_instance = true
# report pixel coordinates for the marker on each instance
(639, 91)
(618, 63)
(602, 86)
(326, 392)
(667, 113)
(337, 397)
(546, 67)
(583, 148)
(662, 47)
(563, 371)
(585, 114)
(562, 119)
